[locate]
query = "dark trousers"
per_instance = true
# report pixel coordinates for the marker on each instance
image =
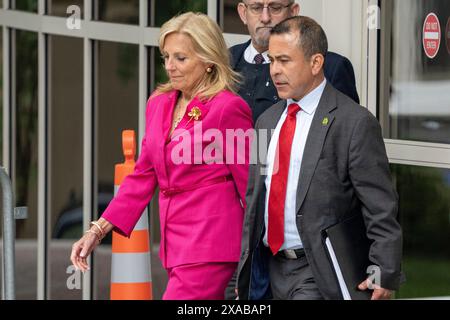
(292, 279)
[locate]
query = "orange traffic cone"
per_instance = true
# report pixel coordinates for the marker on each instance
(130, 266)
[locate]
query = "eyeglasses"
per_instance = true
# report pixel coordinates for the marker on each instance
(274, 8)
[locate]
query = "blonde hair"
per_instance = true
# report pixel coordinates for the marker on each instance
(210, 47)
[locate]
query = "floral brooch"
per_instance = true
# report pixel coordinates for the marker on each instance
(195, 113)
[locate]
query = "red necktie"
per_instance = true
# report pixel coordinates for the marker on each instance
(277, 196)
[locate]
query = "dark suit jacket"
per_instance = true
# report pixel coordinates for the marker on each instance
(338, 71)
(344, 171)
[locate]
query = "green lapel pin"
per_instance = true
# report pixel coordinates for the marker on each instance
(325, 121)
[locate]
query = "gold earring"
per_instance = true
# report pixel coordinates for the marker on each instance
(209, 70)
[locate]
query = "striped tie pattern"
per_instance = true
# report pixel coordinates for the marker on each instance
(259, 59)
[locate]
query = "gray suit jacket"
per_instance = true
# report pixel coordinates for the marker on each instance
(345, 171)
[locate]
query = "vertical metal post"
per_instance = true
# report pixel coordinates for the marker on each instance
(372, 65)
(88, 141)
(212, 9)
(42, 222)
(143, 70)
(9, 230)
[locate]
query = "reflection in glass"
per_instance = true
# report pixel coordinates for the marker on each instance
(230, 21)
(26, 5)
(121, 11)
(424, 211)
(65, 172)
(164, 10)
(160, 71)
(59, 7)
(25, 164)
(118, 108)
(415, 87)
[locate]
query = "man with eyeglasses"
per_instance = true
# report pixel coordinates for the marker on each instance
(250, 58)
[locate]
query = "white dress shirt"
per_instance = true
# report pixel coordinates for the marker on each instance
(251, 52)
(308, 107)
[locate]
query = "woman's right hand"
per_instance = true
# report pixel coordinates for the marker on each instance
(82, 249)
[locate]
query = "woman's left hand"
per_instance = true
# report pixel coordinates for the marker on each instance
(82, 249)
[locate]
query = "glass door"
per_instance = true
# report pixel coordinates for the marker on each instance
(414, 110)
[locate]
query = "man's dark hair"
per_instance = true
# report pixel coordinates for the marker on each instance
(313, 39)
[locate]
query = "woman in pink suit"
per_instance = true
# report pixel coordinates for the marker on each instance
(196, 149)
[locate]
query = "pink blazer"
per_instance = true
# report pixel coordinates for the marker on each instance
(202, 196)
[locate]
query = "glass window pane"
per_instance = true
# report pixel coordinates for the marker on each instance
(121, 11)
(424, 210)
(416, 86)
(118, 109)
(164, 10)
(160, 72)
(231, 22)
(59, 7)
(26, 5)
(25, 164)
(65, 172)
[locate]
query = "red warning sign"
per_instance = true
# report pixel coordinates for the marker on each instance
(431, 35)
(447, 35)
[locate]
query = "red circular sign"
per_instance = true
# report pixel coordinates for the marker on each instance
(447, 35)
(431, 35)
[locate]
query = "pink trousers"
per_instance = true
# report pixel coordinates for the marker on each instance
(199, 281)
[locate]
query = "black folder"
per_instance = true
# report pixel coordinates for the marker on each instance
(348, 249)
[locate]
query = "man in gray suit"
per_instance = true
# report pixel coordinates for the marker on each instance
(326, 161)
(250, 58)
